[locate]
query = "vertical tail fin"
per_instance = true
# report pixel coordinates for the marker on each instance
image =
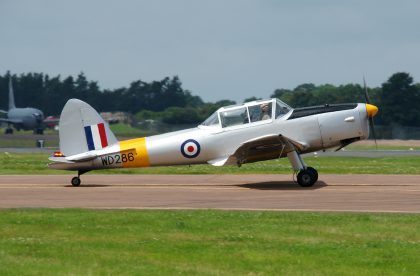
(82, 129)
(11, 95)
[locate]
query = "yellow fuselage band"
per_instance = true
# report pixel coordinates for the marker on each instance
(135, 152)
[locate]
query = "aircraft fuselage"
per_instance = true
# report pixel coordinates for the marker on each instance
(202, 144)
(26, 118)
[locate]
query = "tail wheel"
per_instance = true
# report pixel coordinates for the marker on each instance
(75, 181)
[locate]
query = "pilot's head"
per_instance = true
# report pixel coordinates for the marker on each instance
(264, 107)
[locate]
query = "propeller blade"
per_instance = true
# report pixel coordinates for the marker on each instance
(371, 123)
(372, 127)
(367, 99)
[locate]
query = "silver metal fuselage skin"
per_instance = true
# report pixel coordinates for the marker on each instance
(316, 132)
(320, 131)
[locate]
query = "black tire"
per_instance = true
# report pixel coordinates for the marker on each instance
(39, 131)
(314, 172)
(306, 178)
(9, 131)
(75, 181)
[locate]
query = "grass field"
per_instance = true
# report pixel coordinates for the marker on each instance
(383, 146)
(121, 242)
(36, 163)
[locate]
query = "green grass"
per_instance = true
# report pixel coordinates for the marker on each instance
(125, 130)
(124, 242)
(36, 163)
(357, 146)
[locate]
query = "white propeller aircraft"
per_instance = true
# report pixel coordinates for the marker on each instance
(233, 135)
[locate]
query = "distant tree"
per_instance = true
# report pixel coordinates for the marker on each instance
(251, 99)
(179, 115)
(166, 100)
(148, 115)
(221, 103)
(192, 101)
(306, 87)
(400, 99)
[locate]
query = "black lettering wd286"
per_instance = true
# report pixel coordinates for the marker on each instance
(117, 159)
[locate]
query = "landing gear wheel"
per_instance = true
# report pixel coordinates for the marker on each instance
(75, 181)
(308, 177)
(39, 131)
(314, 172)
(9, 131)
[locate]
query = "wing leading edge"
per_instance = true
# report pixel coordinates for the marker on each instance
(11, 121)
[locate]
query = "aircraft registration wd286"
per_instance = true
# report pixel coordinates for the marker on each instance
(233, 135)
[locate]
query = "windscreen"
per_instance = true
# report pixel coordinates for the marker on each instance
(281, 109)
(213, 120)
(237, 116)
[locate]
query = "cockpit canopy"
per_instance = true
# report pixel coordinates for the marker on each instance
(251, 112)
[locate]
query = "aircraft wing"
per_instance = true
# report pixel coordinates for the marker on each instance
(11, 121)
(259, 149)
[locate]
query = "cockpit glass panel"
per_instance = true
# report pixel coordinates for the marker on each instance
(260, 112)
(233, 117)
(281, 109)
(213, 120)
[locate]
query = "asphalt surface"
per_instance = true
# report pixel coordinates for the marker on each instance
(354, 193)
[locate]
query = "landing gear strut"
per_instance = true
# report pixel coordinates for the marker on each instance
(307, 176)
(75, 181)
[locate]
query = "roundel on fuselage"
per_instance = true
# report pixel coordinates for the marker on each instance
(190, 148)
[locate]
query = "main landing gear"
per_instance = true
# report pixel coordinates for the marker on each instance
(75, 181)
(307, 176)
(8, 130)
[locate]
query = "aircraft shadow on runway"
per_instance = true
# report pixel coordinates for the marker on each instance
(90, 186)
(268, 185)
(281, 185)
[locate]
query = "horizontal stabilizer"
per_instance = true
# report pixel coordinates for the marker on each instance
(82, 156)
(59, 160)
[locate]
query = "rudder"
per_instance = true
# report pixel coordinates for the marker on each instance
(82, 129)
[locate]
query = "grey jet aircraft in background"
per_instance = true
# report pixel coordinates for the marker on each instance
(27, 118)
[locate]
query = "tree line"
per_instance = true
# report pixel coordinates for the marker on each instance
(398, 98)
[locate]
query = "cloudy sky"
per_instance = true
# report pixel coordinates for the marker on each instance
(219, 49)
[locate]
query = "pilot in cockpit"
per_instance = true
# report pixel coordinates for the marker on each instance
(265, 112)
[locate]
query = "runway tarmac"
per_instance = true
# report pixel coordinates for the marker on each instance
(354, 193)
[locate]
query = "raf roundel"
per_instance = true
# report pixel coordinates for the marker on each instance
(190, 148)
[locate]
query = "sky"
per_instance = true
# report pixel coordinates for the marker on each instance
(219, 49)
